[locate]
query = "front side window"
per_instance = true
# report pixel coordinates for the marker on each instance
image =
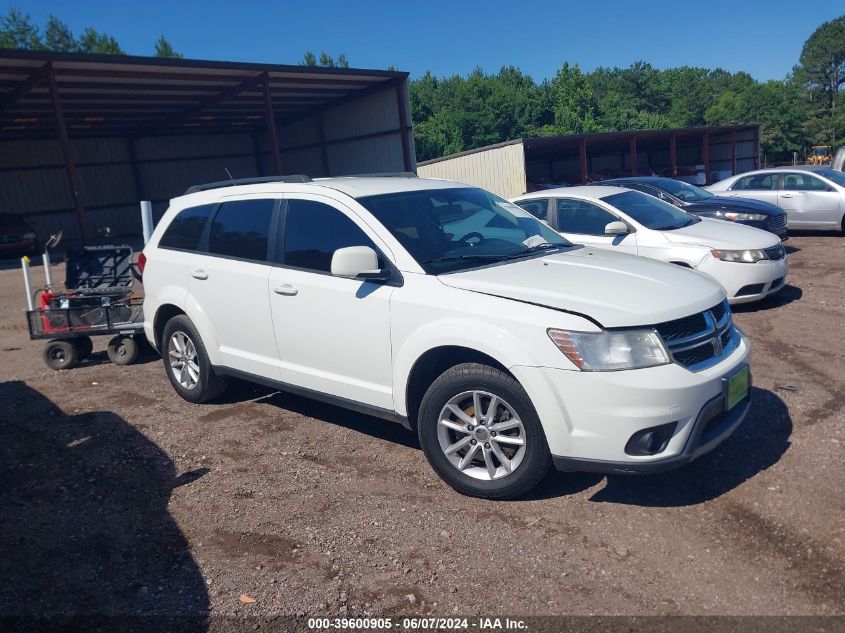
(457, 228)
(582, 217)
(314, 231)
(242, 229)
(186, 229)
(650, 212)
(760, 182)
(538, 208)
(803, 182)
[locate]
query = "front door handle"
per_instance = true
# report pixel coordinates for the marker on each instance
(199, 274)
(786, 195)
(285, 289)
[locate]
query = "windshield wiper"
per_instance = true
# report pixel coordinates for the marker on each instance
(450, 258)
(545, 246)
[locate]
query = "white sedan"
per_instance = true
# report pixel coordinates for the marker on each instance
(812, 196)
(749, 263)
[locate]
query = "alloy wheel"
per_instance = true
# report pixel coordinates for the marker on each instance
(481, 435)
(183, 360)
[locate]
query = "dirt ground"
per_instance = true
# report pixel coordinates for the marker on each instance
(118, 497)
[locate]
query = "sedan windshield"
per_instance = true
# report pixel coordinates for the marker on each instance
(683, 190)
(831, 174)
(651, 212)
(457, 228)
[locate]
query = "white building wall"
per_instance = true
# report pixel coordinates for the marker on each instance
(499, 169)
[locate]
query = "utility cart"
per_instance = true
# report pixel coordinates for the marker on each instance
(97, 301)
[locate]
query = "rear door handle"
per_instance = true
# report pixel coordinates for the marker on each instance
(786, 195)
(285, 289)
(199, 274)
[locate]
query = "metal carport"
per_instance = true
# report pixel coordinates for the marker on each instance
(83, 138)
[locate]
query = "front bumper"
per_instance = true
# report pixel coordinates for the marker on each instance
(712, 427)
(745, 283)
(589, 417)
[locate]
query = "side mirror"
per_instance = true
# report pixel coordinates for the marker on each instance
(357, 262)
(616, 228)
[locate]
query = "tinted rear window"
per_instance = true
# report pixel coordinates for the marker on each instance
(186, 228)
(241, 229)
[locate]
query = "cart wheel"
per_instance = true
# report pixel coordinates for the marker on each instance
(123, 350)
(60, 354)
(84, 347)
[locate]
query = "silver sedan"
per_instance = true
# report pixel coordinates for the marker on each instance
(812, 196)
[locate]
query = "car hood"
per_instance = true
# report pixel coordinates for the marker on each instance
(614, 289)
(728, 203)
(720, 234)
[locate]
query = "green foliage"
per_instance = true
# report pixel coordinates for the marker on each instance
(18, 31)
(821, 69)
(326, 60)
(456, 113)
(165, 49)
(59, 37)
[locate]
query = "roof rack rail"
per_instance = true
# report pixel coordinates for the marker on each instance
(384, 174)
(246, 181)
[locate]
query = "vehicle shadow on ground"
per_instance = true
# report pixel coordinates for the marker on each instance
(240, 391)
(784, 297)
(86, 540)
(101, 358)
(756, 445)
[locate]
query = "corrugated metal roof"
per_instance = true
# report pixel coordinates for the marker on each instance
(117, 95)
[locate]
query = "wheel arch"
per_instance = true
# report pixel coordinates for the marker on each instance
(431, 364)
(164, 313)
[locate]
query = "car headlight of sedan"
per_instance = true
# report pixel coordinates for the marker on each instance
(750, 256)
(611, 350)
(745, 217)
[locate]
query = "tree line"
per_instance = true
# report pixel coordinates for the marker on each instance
(457, 113)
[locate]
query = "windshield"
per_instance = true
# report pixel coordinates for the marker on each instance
(651, 212)
(452, 229)
(683, 190)
(831, 174)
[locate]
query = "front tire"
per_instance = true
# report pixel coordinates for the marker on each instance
(481, 433)
(186, 362)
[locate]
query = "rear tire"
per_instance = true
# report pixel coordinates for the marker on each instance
(502, 450)
(61, 354)
(122, 350)
(186, 362)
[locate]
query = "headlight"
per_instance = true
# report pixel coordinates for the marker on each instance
(745, 217)
(608, 351)
(28, 236)
(750, 256)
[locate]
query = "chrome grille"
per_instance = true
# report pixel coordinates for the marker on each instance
(700, 340)
(776, 222)
(775, 252)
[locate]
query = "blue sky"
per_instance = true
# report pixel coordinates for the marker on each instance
(760, 37)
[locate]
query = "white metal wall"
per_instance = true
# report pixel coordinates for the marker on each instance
(499, 169)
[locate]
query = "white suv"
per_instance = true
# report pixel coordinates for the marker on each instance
(453, 312)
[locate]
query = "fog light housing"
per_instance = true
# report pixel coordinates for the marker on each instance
(650, 441)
